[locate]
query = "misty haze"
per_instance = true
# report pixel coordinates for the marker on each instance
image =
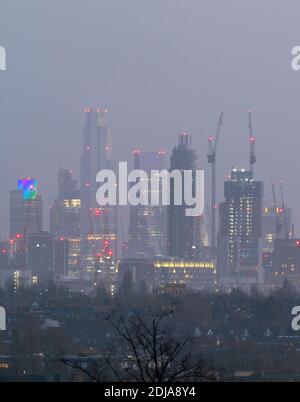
(185, 266)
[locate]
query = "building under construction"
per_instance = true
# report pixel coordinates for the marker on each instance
(240, 219)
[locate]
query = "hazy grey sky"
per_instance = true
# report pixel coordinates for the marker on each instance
(160, 67)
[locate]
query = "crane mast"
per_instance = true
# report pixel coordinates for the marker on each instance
(278, 224)
(286, 226)
(211, 157)
(252, 145)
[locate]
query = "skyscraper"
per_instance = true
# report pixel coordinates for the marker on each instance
(276, 224)
(65, 211)
(65, 216)
(46, 256)
(98, 225)
(284, 263)
(4, 255)
(273, 226)
(240, 223)
(184, 232)
(26, 214)
(148, 224)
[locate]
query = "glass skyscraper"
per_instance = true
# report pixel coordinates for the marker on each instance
(148, 224)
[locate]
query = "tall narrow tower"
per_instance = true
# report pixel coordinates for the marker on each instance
(98, 225)
(96, 156)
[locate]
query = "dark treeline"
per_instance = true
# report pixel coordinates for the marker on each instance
(218, 337)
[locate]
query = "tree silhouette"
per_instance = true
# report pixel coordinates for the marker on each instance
(151, 352)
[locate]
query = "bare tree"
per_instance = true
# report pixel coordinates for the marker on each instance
(95, 369)
(148, 351)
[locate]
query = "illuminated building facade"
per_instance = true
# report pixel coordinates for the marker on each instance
(153, 275)
(273, 227)
(193, 275)
(26, 214)
(65, 217)
(148, 224)
(240, 223)
(285, 263)
(16, 278)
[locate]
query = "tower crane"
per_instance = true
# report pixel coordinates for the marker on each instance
(211, 157)
(286, 226)
(252, 145)
(278, 222)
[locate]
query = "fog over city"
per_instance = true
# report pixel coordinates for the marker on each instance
(149, 197)
(160, 67)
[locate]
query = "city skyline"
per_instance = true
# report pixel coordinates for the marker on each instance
(191, 74)
(149, 213)
(167, 154)
(88, 245)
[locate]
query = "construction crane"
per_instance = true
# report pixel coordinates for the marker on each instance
(278, 223)
(211, 157)
(252, 145)
(286, 226)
